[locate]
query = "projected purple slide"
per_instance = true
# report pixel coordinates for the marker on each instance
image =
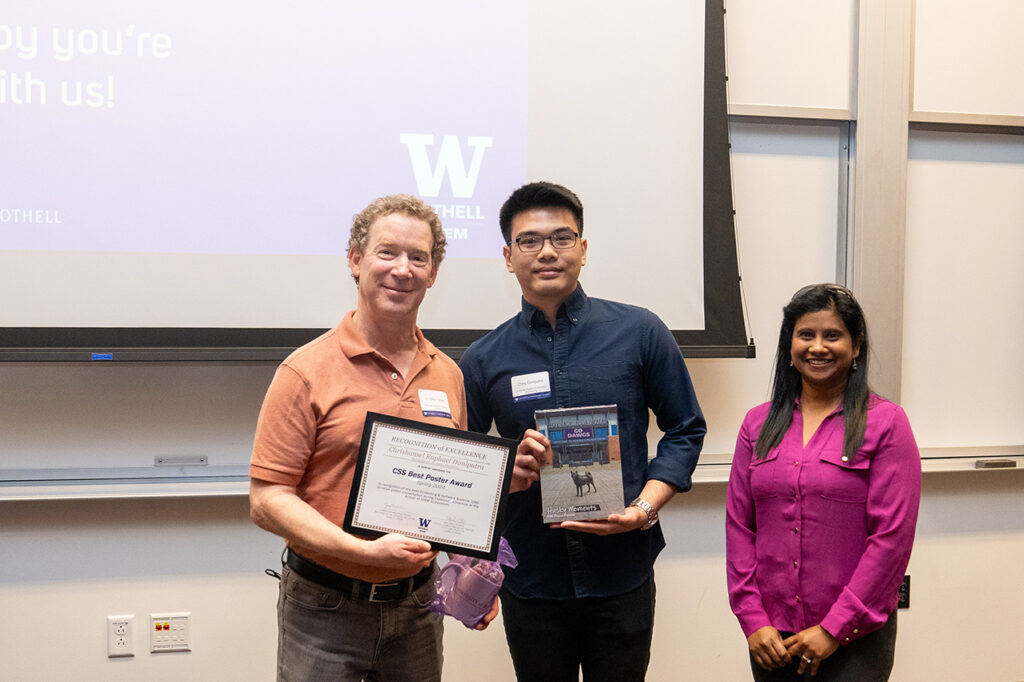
(255, 127)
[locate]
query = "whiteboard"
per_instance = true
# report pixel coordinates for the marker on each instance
(963, 328)
(969, 57)
(82, 421)
(791, 53)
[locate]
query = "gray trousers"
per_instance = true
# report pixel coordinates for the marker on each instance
(324, 634)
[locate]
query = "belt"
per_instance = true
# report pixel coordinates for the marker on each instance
(359, 589)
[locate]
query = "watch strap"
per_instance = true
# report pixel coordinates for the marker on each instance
(645, 506)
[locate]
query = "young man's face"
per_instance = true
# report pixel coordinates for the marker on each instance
(549, 275)
(396, 269)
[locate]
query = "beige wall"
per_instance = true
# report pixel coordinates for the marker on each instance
(68, 564)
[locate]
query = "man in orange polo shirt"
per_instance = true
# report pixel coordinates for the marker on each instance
(349, 607)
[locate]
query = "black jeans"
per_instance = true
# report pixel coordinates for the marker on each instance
(609, 637)
(868, 659)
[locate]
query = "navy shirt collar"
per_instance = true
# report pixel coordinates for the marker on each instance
(573, 309)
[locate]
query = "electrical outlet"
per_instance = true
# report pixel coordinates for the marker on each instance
(904, 601)
(169, 632)
(119, 636)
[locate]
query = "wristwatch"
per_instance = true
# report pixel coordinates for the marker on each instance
(652, 513)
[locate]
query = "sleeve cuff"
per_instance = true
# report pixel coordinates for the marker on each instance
(849, 619)
(273, 476)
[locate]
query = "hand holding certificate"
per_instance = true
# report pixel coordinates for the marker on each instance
(442, 485)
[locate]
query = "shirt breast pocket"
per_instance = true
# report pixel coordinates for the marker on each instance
(762, 476)
(611, 384)
(844, 479)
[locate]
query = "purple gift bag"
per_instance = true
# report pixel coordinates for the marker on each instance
(466, 587)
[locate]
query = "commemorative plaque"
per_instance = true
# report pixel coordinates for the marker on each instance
(438, 484)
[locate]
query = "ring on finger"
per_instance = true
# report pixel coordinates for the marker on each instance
(806, 660)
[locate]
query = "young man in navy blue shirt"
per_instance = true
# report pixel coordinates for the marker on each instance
(583, 593)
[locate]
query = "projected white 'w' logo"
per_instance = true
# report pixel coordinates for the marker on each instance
(449, 160)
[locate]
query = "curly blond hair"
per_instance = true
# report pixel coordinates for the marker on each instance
(405, 204)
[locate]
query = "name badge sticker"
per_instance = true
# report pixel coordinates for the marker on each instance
(434, 403)
(531, 386)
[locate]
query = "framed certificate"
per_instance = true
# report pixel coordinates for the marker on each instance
(442, 485)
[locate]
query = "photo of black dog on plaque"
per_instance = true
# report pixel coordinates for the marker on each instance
(583, 480)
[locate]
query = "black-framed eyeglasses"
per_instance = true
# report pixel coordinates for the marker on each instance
(531, 243)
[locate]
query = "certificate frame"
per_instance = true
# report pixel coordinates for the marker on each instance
(434, 483)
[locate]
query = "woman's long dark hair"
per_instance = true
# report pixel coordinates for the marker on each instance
(787, 381)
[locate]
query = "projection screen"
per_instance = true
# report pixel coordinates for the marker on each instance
(179, 177)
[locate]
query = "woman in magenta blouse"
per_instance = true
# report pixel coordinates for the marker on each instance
(822, 504)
